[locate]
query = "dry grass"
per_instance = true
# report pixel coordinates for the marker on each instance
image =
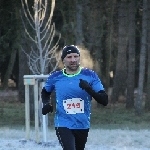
(118, 117)
(12, 113)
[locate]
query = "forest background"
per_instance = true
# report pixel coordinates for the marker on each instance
(115, 34)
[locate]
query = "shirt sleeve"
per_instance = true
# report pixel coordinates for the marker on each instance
(49, 85)
(96, 83)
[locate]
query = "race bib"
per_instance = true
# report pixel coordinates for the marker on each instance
(74, 105)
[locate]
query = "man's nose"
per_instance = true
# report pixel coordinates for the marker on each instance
(73, 59)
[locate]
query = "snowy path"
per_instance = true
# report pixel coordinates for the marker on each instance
(99, 139)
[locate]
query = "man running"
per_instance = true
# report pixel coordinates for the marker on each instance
(74, 87)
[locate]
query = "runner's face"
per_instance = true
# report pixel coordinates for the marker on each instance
(72, 61)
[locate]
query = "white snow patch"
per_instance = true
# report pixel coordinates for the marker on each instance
(98, 139)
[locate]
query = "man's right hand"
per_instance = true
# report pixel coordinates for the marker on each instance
(47, 108)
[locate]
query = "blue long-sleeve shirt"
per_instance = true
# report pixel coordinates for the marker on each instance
(72, 103)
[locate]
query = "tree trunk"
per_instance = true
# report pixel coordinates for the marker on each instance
(79, 31)
(13, 46)
(23, 70)
(131, 55)
(93, 25)
(109, 43)
(138, 102)
(68, 17)
(23, 67)
(120, 73)
(147, 102)
(9, 69)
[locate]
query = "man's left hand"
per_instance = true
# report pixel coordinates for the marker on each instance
(84, 85)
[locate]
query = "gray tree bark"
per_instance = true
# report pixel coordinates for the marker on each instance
(23, 70)
(109, 42)
(147, 102)
(121, 67)
(13, 48)
(9, 69)
(79, 30)
(131, 55)
(139, 98)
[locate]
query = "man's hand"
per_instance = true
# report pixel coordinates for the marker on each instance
(84, 85)
(101, 97)
(47, 108)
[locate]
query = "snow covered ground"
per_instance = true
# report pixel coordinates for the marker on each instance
(99, 139)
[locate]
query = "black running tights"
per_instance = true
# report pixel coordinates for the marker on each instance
(72, 139)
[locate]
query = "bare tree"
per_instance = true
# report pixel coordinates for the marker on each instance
(79, 30)
(138, 102)
(131, 55)
(40, 31)
(121, 67)
(43, 50)
(147, 102)
(109, 41)
(13, 43)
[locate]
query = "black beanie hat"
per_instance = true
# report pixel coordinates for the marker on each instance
(69, 49)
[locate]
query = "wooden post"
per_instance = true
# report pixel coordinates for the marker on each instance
(27, 112)
(36, 111)
(33, 80)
